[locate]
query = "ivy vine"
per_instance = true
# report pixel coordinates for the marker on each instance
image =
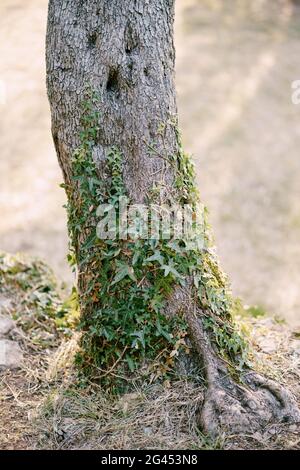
(124, 284)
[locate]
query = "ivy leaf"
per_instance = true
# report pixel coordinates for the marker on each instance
(174, 245)
(156, 303)
(153, 243)
(136, 256)
(112, 253)
(92, 183)
(197, 279)
(163, 332)
(90, 241)
(130, 363)
(156, 257)
(170, 269)
(140, 336)
(123, 270)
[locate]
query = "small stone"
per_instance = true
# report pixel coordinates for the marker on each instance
(6, 325)
(268, 345)
(295, 346)
(11, 356)
(293, 428)
(252, 405)
(148, 431)
(5, 304)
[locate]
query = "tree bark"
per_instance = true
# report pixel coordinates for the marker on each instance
(124, 51)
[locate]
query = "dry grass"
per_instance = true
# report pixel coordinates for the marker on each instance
(159, 417)
(28, 294)
(153, 418)
(44, 406)
(276, 353)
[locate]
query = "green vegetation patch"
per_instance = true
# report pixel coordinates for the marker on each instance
(124, 284)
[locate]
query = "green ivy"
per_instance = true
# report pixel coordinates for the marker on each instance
(124, 284)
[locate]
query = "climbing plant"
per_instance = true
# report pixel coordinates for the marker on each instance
(127, 283)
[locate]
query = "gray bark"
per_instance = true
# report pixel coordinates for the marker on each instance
(124, 50)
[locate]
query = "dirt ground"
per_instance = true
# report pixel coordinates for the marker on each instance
(235, 63)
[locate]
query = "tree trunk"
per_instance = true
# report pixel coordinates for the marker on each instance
(110, 77)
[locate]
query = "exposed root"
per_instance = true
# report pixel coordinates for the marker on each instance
(235, 409)
(246, 405)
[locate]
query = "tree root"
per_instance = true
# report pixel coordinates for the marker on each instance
(246, 405)
(230, 407)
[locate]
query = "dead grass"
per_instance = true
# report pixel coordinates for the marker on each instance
(162, 417)
(44, 406)
(153, 418)
(28, 294)
(159, 417)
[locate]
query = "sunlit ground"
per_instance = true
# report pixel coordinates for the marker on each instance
(235, 64)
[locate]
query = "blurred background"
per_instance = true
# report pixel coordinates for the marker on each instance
(236, 60)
